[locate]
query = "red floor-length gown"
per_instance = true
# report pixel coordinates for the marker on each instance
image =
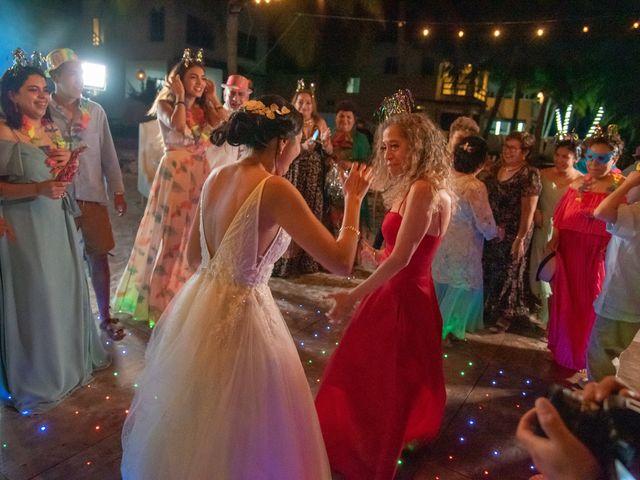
(384, 385)
(578, 277)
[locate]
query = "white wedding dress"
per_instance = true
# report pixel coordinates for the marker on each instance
(223, 395)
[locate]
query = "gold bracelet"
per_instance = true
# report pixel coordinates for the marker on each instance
(351, 228)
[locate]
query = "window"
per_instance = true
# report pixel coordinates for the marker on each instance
(156, 25)
(199, 33)
(247, 46)
(353, 85)
(391, 65)
(97, 35)
(503, 127)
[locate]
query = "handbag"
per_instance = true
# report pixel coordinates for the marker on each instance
(546, 268)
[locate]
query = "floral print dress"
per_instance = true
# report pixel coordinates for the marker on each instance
(158, 267)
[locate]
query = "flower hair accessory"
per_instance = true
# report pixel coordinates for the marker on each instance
(466, 147)
(609, 136)
(258, 108)
(188, 59)
(303, 88)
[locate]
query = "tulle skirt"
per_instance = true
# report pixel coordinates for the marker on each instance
(223, 395)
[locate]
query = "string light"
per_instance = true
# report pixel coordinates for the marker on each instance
(540, 32)
(425, 32)
(497, 32)
(460, 33)
(585, 29)
(636, 25)
(596, 121)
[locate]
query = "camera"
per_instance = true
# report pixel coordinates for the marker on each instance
(610, 430)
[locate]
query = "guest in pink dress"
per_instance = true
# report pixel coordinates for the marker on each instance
(580, 242)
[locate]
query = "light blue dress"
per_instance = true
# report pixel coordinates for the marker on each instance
(457, 266)
(49, 340)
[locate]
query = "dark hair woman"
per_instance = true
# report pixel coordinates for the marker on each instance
(50, 341)
(457, 266)
(221, 367)
(555, 181)
(514, 187)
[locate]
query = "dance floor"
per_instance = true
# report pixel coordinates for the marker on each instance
(491, 381)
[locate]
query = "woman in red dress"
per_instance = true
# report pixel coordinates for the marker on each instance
(384, 386)
(580, 242)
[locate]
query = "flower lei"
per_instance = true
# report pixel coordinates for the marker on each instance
(83, 122)
(197, 123)
(63, 173)
(616, 179)
(259, 108)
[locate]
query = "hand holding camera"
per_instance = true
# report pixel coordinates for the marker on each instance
(585, 435)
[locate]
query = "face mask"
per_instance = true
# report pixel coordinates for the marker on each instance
(603, 158)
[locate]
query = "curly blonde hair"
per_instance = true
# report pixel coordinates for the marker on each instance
(428, 158)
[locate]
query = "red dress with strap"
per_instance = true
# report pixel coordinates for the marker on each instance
(384, 385)
(578, 277)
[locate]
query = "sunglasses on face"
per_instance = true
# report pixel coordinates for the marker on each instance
(604, 158)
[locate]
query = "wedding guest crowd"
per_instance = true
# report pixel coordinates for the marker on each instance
(464, 244)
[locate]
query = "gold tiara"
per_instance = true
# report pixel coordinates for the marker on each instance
(188, 59)
(302, 87)
(20, 59)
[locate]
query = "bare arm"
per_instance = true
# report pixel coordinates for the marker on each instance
(173, 116)
(415, 224)
(289, 210)
(527, 209)
(49, 188)
(607, 211)
(194, 254)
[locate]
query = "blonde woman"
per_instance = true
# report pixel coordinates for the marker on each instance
(384, 385)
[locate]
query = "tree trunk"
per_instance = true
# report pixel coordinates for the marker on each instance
(496, 106)
(516, 105)
(233, 19)
(540, 120)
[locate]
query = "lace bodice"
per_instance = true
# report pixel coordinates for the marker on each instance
(459, 259)
(236, 258)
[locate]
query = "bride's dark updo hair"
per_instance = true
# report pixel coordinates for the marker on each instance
(258, 122)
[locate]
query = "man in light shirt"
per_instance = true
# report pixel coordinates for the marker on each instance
(237, 90)
(618, 305)
(83, 124)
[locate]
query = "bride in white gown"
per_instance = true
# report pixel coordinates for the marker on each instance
(223, 394)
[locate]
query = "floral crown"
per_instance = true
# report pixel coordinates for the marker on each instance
(610, 136)
(188, 59)
(20, 60)
(301, 87)
(567, 137)
(258, 108)
(400, 102)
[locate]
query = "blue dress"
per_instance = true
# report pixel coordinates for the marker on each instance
(49, 340)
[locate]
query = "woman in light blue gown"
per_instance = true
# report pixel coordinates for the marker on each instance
(49, 341)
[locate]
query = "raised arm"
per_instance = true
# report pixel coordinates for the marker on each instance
(289, 210)
(173, 116)
(415, 224)
(607, 211)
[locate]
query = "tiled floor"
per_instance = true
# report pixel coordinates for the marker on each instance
(491, 381)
